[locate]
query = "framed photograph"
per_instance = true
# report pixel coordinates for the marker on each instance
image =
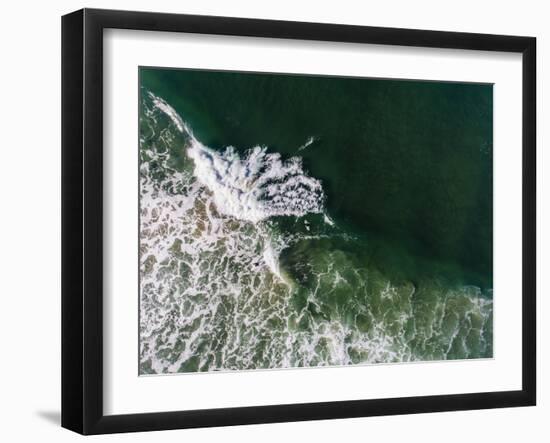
(269, 221)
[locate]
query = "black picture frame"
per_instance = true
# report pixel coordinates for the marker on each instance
(82, 215)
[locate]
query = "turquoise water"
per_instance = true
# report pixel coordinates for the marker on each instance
(292, 221)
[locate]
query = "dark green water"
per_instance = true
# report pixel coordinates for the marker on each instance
(408, 164)
(406, 170)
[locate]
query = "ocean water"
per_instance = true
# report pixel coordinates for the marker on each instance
(297, 221)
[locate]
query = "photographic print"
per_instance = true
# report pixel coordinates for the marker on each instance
(294, 221)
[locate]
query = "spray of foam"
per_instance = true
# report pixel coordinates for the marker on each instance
(308, 143)
(253, 188)
(258, 186)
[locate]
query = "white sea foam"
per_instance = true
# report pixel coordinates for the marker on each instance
(255, 187)
(259, 185)
(308, 143)
(170, 112)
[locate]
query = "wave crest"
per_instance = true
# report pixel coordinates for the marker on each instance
(257, 186)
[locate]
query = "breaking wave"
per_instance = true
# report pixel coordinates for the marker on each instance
(258, 186)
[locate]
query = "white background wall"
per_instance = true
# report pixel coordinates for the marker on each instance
(30, 218)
